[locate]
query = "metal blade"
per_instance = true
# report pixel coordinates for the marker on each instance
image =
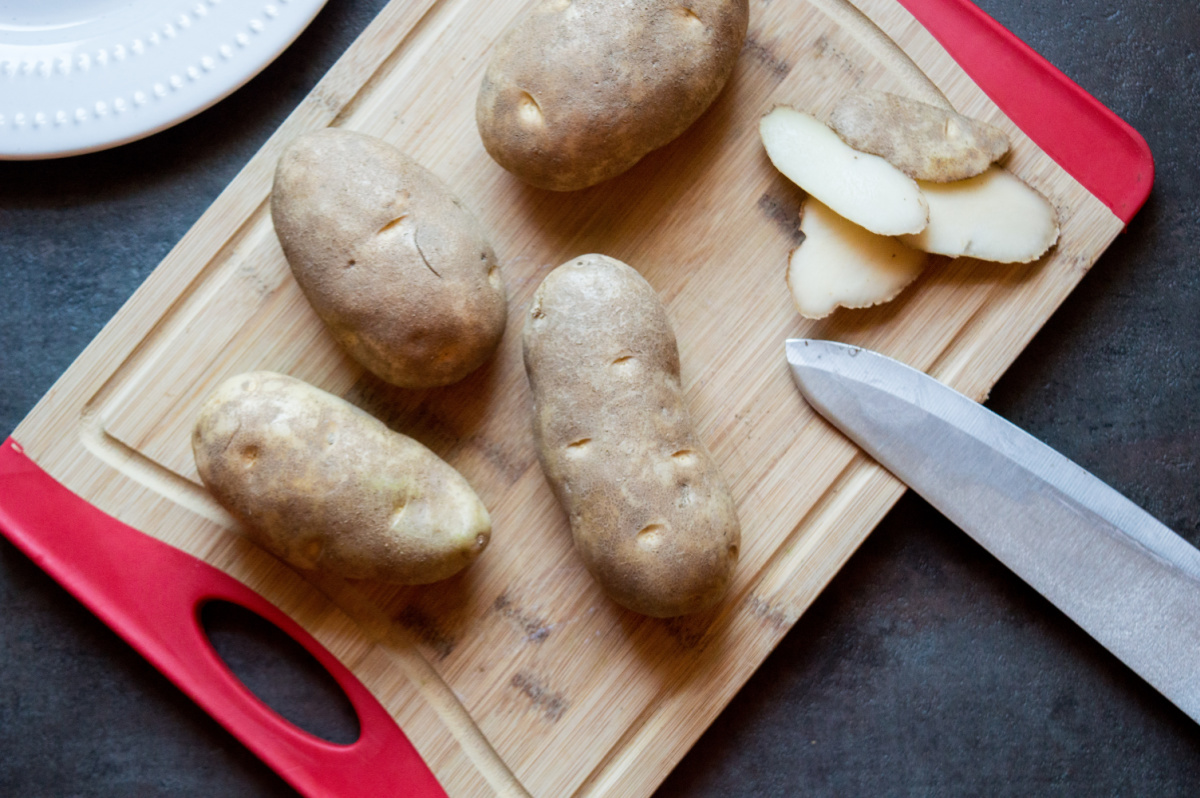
(1129, 581)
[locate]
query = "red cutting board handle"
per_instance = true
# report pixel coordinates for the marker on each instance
(151, 594)
(1094, 145)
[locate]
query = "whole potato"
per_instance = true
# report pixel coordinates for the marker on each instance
(577, 91)
(649, 511)
(323, 485)
(395, 265)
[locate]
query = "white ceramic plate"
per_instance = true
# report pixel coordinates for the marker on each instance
(83, 75)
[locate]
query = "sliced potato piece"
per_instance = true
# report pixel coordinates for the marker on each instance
(995, 216)
(842, 264)
(921, 140)
(864, 188)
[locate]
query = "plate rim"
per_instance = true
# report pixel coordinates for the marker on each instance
(239, 51)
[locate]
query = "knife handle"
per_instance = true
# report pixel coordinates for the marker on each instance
(151, 594)
(1098, 148)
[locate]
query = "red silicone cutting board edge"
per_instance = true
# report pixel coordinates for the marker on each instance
(1094, 145)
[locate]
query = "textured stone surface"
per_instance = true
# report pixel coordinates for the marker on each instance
(924, 669)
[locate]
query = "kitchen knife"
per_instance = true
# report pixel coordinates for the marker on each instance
(1129, 581)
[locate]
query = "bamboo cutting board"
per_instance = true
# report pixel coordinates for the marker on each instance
(519, 676)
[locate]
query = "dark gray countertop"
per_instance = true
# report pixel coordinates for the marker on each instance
(925, 668)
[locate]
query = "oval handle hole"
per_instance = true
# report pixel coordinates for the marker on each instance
(280, 672)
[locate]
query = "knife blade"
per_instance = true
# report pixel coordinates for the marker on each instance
(1121, 575)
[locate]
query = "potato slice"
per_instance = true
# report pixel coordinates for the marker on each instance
(995, 216)
(863, 188)
(842, 264)
(921, 140)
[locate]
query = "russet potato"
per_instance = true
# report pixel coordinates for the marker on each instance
(650, 513)
(578, 91)
(326, 486)
(389, 258)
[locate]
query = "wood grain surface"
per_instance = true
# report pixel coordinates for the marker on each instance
(518, 676)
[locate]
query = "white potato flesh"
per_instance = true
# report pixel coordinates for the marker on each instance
(864, 188)
(842, 264)
(995, 216)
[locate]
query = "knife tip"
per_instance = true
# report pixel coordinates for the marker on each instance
(812, 361)
(802, 354)
(796, 348)
(807, 351)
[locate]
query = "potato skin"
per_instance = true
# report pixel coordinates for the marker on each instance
(921, 140)
(650, 512)
(577, 91)
(323, 485)
(390, 259)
